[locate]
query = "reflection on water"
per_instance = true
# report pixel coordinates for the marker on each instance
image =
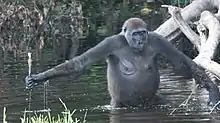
(88, 93)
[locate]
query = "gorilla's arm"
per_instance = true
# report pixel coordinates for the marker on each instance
(180, 60)
(78, 63)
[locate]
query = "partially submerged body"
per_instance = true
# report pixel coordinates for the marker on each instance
(132, 73)
(133, 78)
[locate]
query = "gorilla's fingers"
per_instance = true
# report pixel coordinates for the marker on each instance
(30, 82)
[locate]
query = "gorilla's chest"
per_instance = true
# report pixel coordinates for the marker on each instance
(132, 74)
(130, 63)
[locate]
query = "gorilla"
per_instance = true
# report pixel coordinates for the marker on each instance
(132, 72)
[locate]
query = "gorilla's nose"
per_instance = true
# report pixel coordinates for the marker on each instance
(140, 43)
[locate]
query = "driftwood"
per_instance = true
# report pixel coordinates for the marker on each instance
(209, 44)
(206, 44)
(170, 29)
(207, 15)
(204, 14)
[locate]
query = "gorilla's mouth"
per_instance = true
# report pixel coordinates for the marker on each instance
(140, 44)
(137, 45)
(138, 48)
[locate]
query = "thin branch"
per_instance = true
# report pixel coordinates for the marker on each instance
(213, 108)
(185, 102)
(190, 34)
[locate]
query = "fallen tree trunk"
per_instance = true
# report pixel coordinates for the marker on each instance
(170, 29)
(205, 45)
(208, 47)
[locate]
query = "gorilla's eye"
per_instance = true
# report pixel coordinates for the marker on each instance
(142, 32)
(135, 33)
(139, 32)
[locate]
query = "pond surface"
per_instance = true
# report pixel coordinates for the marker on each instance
(88, 93)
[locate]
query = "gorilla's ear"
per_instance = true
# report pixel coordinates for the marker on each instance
(125, 29)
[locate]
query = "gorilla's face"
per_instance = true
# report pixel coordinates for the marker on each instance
(136, 33)
(137, 39)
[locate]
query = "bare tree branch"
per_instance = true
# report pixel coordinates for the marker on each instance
(208, 47)
(184, 27)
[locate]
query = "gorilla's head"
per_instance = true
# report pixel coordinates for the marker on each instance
(136, 33)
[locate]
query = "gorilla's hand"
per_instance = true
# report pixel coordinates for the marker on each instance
(31, 81)
(214, 96)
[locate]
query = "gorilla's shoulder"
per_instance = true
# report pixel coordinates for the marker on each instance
(116, 39)
(155, 36)
(157, 40)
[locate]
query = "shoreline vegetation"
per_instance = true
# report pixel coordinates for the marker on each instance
(65, 116)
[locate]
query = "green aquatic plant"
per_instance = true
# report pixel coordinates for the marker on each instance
(65, 117)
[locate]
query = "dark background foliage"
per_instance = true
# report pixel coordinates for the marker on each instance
(66, 25)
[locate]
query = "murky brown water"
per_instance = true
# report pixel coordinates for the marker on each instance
(88, 92)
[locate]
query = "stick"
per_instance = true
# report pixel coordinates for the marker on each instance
(37, 111)
(30, 91)
(213, 108)
(4, 115)
(185, 102)
(29, 63)
(45, 94)
(29, 73)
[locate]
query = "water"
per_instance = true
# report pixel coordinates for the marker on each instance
(88, 93)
